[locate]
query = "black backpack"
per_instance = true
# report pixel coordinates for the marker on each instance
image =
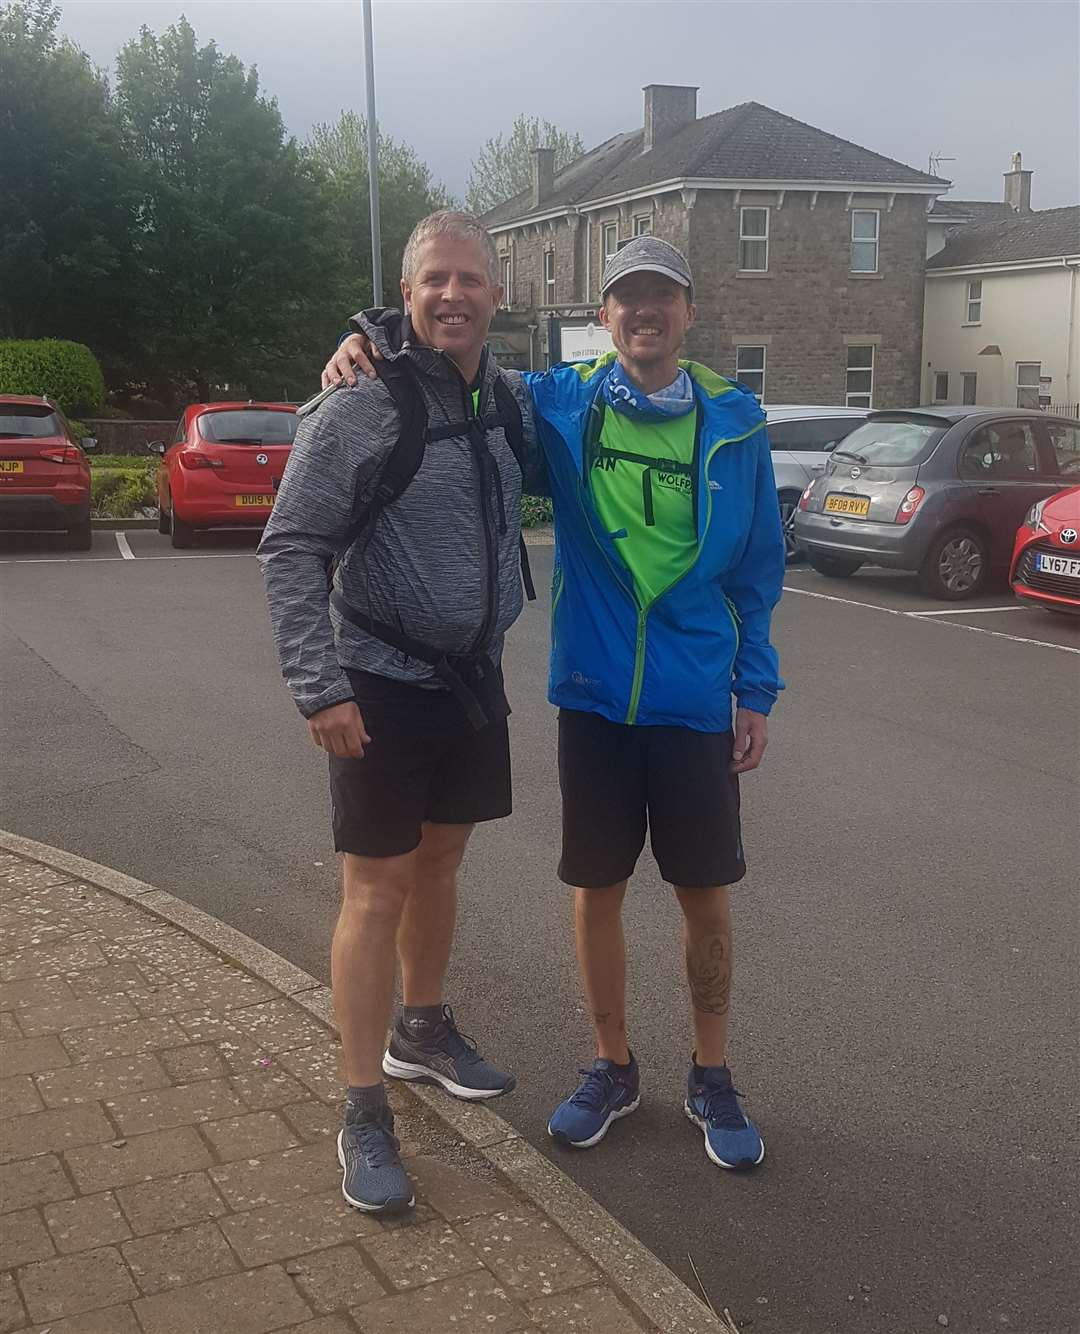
(462, 675)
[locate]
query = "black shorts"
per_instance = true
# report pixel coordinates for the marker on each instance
(425, 762)
(615, 780)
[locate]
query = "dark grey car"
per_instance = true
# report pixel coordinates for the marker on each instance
(940, 491)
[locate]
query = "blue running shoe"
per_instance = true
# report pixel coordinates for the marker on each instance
(441, 1054)
(712, 1103)
(607, 1092)
(373, 1178)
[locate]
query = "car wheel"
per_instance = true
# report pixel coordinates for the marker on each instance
(163, 524)
(955, 566)
(789, 507)
(81, 537)
(183, 535)
(835, 567)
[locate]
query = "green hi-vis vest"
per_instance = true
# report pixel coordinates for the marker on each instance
(642, 484)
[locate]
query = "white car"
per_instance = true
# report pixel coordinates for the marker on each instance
(800, 439)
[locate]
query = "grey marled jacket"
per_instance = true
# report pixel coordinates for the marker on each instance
(423, 566)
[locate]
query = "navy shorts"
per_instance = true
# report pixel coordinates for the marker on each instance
(425, 762)
(618, 781)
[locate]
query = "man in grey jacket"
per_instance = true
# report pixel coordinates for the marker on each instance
(396, 666)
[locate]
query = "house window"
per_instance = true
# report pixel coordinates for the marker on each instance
(941, 387)
(974, 302)
(860, 377)
(750, 368)
(507, 282)
(643, 224)
(549, 277)
(754, 240)
(865, 224)
(1027, 383)
(611, 239)
(969, 380)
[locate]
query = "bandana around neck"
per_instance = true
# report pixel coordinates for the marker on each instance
(675, 400)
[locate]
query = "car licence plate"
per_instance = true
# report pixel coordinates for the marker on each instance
(1066, 565)
(257, 502)
(11, 465)
(859, 506)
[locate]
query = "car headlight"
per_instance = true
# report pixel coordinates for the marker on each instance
(1033, 518)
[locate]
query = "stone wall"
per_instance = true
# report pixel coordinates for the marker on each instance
(127, 437)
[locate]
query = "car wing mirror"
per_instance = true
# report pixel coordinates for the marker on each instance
(88, 442)
(156, 446)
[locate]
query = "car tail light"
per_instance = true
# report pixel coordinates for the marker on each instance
(910, 504)
(62, 454)
(804, 499)
(191, 459)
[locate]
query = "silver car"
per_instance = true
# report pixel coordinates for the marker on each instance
(800, 439)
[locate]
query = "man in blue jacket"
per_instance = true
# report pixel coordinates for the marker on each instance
(669, 558)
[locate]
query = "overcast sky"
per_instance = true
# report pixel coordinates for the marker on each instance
(972, 81)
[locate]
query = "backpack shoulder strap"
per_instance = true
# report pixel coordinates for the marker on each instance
(407, 452)
(508, 413)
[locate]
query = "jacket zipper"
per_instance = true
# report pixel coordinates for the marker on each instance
(643, 614)
(490, 545)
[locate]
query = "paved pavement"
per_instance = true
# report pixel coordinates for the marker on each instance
(906, 982)
(167, 1163)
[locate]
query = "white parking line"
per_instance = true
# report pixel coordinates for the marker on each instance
(966, 611)
(102, 560)
(122, 543)
(922, 616)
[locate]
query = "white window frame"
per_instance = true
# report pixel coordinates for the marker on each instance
(1028, 385)
(754, 239)
(874, 240)
(859, 398)
(549, 282)
(940, 397)
(506, 264)
(643, 224)
(965, 376)
(742, 374)
(973, 304)
(610, 232)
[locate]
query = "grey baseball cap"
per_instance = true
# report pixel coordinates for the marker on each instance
(647, 254)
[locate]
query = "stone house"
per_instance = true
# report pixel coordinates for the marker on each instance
(809, 252)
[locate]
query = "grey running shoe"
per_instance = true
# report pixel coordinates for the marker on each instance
(373, 1178)
(440, 1054)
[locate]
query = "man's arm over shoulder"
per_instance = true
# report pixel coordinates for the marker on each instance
(754, 587)
(337, 452)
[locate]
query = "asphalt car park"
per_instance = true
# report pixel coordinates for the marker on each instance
(906, 986)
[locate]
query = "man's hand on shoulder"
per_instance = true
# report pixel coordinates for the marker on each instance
(355, 353)
(340, 730)
(751, 738)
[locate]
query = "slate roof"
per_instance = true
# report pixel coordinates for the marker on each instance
(1043, 235)
(745, 142)
(977, 211)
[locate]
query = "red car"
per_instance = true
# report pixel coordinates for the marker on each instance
(223, 468)
(1046, 559)
(44, 473)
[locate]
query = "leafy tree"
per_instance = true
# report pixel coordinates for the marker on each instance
(503, 167)
(68, 202)
(407, 193)
(234, 242)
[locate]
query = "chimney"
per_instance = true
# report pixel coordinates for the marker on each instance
(668, 108)
(1018, 187)
(543, 179)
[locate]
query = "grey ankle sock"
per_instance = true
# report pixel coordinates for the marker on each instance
(369, 1100)
(421, 1020)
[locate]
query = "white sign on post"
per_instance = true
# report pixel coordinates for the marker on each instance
(585, 342)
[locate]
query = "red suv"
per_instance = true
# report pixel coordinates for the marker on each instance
(223, 467)
(44, 474)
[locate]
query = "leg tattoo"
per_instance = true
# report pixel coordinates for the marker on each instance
(708, 968)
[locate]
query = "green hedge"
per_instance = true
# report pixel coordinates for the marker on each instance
(118, 493)
(535, 510)
(68, 373)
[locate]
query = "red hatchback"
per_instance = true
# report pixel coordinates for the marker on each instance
(44, 473)
(1046, 559)
(223, 468)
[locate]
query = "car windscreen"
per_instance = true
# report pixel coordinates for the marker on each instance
(899, 443)
(248, 426)
(28, 422)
